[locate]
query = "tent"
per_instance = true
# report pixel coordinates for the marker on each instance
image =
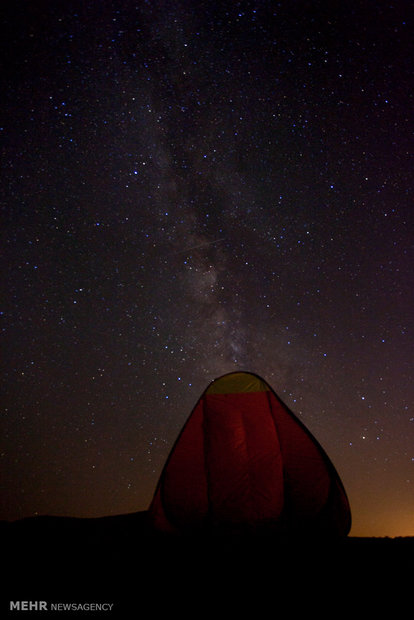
(244, 462)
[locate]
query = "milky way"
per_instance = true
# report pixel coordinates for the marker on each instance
(191, 189)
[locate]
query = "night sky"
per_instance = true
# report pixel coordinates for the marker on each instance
(191, 188)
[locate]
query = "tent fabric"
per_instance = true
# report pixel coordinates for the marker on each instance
(243, 461)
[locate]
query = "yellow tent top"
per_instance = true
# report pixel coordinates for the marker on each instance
(236, 383)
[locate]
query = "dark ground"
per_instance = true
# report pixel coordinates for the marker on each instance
(120, 561)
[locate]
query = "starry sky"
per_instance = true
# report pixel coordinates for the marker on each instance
(191, 188)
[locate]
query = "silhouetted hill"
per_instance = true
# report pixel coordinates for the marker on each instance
(121, 560)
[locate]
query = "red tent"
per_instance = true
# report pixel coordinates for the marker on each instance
(243, 461)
